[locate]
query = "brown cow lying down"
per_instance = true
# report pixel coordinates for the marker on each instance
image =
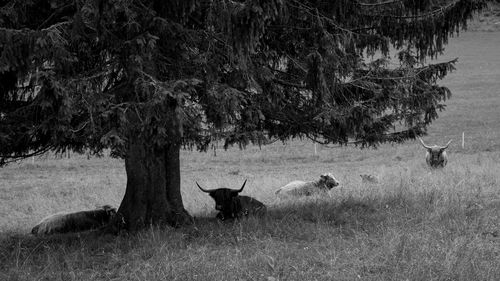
(74, 222)
(231, 205)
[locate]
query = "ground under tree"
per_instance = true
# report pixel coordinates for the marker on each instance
(147, 78)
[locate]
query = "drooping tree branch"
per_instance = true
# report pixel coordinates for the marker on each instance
(390, 2)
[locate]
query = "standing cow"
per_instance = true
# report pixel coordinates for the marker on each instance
(231, 205)
(303, 188)
(436, 155)
(74, 222)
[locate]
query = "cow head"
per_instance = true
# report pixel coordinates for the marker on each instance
(224, 198)
(328, 180)
(436, 155)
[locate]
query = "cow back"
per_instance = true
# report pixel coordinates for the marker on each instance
(243, 206)
(297, 188)
(73, 222)
(251, 206)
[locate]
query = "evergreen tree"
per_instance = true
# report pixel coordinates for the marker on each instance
(146, 78)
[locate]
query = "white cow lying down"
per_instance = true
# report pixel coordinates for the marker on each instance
(303, 188)
(74, 222)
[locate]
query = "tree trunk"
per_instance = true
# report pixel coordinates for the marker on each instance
(152, 195)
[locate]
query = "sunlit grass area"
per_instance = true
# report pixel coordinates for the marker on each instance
(414, 224)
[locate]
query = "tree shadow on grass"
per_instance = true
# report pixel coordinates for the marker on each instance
(312, 211)
(294, 221)
(300, 223)
(298, 220)
(338, 213)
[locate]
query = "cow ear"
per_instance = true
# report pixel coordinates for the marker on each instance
(234, 193)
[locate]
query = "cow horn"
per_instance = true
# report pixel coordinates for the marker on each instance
(423, 144)
(204, 190)
(241, 189)
(446, 146)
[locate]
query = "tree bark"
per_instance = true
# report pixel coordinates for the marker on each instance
(153, 192)
(152, 195)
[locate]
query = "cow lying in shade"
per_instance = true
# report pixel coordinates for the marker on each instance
(303, 188)
(74, 222)
(231, 205)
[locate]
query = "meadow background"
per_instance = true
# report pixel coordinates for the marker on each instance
(415, 224)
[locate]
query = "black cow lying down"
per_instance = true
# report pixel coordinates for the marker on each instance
(231, 205)
(74, 222)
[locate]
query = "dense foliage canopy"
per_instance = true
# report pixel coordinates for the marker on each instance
(91, 74)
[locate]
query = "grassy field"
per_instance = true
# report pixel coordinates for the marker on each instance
(415, 224)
